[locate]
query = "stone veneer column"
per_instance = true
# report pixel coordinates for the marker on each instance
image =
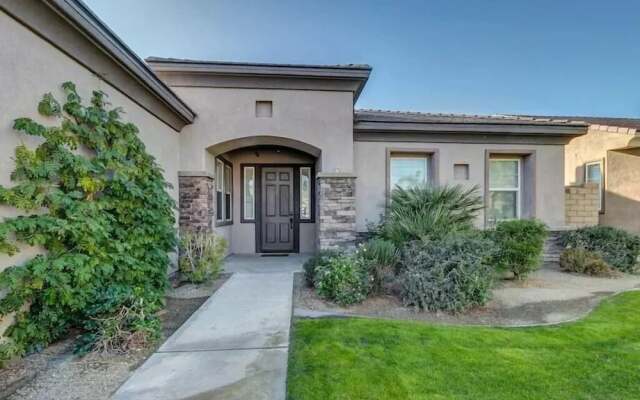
(336, 204)
(196, 201)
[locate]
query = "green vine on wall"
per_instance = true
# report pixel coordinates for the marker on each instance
(97, 202)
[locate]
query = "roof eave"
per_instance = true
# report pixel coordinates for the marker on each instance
(84, 20)
(514, 129)
(359, 74)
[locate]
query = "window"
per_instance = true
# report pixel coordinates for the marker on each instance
(249, 201)
(407, 171)
(593, 174)
(264, 109)
(504, 189)
(305, 193)
(461, 172)
(227, 192)
(224, 183)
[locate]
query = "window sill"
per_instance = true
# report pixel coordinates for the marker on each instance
(223, 223)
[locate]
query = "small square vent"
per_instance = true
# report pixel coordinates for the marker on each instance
(461, 172)
(264, 109)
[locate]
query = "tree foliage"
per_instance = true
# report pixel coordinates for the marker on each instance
(96, 201)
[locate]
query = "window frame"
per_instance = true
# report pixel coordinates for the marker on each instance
(243, 217)
(599, 163)
(221, 219)
(517, 190)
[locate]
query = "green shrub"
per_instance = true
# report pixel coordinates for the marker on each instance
(584, 262)
(429, 212)
(201, 255)
(519, 246)
(379, 258)
(103, 215)
(620, 249)
(342, 280)
(320, 258)
(449, 274)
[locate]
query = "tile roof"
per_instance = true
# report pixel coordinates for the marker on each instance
(421, 117)
(633, 123)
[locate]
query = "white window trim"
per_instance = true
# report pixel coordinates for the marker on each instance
(398, 155)
(600, 186)
(252, 205)
(518, 189)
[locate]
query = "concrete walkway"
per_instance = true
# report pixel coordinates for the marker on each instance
(234, 347)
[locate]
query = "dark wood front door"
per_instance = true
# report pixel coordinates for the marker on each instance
(277, 217)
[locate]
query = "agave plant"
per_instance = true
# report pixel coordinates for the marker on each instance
(423, 212)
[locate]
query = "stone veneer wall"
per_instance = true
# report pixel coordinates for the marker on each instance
(336, 204)
(581, 205)
(196, 201)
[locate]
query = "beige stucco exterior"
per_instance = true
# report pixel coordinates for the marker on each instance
(618, 149)
(30, 67)
(371, 165)
(323, 119)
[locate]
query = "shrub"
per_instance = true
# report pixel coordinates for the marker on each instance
(584, 262)
(96, 201)
(620, 249)
(320, 258)
(342, 280)
(379, 257)
(449, 274)
(429, 212)
(519, 246)
(201, 255)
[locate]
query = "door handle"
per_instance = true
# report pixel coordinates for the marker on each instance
(291, 222)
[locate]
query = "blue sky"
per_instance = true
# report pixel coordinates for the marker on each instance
(561, 57)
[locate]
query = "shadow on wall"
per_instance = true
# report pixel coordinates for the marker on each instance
(622, 193)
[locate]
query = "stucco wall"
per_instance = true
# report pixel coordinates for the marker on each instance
(319, 118)
(622, 195)
(621, 179)
(30, 67)
(370, 160)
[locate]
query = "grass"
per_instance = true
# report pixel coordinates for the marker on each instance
(349, 359)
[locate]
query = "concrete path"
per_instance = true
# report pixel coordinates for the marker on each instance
(234, 347)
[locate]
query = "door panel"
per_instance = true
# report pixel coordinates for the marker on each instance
(277, 209)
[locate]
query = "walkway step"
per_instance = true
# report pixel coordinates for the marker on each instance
(233, 347)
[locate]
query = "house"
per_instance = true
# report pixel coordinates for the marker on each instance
(609, 156)
(273, 156)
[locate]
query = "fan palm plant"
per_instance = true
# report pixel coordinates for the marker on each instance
(425, 211)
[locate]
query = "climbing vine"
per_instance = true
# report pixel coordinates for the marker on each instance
(96, 201)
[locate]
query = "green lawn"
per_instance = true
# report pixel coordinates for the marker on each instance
(596, 358)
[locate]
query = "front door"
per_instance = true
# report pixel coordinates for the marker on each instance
(277, 209)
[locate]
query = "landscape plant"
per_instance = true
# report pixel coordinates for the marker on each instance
(201, 255)
(427, 211)
(379, 258)
(96, 202)
(619, 248)
(342, 280)
(583, 261)
(519, 246)
(322, 257)
(452, 273)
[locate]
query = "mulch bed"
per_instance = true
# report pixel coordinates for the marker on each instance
(56, 373)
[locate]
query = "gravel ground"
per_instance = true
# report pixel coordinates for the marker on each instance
(57, 374)
(549, 296)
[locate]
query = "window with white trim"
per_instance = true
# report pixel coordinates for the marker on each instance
(593, 174)
(249, 197)
(504, 189)
(408, 170)
(224, 199)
